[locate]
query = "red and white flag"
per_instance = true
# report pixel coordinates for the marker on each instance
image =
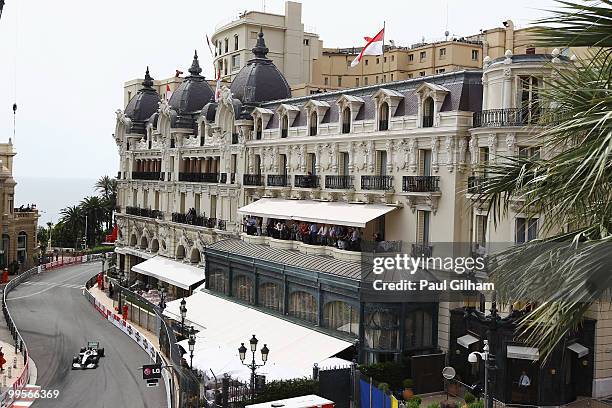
(218, 87)
(168, 92)
(374, 46)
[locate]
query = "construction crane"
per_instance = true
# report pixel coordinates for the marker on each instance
(1, 7)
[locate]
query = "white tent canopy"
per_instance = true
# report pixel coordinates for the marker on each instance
(224, 325)
(167, 270)
(323, 212)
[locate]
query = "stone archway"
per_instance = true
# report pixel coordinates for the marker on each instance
(195, 256)
(180, 252)
(155, 245)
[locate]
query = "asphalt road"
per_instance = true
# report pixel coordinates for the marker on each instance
(55, 320)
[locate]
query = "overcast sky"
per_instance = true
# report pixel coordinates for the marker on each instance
(71, 58)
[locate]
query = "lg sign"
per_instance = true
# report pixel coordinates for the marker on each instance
(151, 371)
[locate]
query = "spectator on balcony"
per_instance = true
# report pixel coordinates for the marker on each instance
(258, 227)
(355, 239)
(323, 234)
(313, 234)
(331, 235)
(303, 230)
(377, 237)
(270, 228)
(284, 231)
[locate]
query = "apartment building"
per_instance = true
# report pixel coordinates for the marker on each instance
(391, 163)
(19, 242)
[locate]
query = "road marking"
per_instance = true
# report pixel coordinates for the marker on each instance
(63, 285)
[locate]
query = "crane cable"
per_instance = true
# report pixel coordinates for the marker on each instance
(15, 71)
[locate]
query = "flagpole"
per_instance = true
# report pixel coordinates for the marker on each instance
(383, 52)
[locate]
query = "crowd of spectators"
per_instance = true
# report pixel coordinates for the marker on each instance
(339, 236)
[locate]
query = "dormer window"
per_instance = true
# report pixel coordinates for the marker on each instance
(346, 120)
(428, 111)
(284, 126)
(383, 117)
(313, 124)
(258, 128)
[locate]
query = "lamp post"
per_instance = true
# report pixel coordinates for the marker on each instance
(183, 310)
(242, 350)
(191, 343)
(162, 296)
(485, 355)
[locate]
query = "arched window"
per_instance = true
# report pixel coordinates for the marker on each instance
(304, 306)
(195, 256)
(341, 316)
(428, 112)
(22, 247)
(383, 116)
(346, 120)
(180, 252)
(314, 120)
(257, 164)
(133, 240)
(381, 328)
(242, 288)
(270, 296)
(236, 42)
(217, 281)
(144, 242)
(284, 126)
(258, 128)
(226, 45)
(154, 246)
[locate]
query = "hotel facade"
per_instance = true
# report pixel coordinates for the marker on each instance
(391, 165)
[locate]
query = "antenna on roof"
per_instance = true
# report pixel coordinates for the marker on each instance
(263, 2)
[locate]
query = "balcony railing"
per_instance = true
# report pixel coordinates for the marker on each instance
(420, 184)
(306, 181)
(428, 121)
(191, 218)
(384, 183)
(507, 117)
(339, 182)
(252, 180)
(421, 250)
(199, 177)
(476, 184)
(278, 180)
(145, 175)
(144, 212)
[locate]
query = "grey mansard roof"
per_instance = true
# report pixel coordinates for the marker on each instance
(142, 105)
(191, 96)
(465, 94)
(260, 80)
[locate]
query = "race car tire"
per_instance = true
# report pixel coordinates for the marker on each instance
(101, 352)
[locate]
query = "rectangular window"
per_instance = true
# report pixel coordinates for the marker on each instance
(440, 70)
(182, 203)
(423, 227)
(392, 58)
(381, 163)
(410, 57)
(409, 76)
(377, 60)
(226, 45)
(339, 81)
(480, 233)
(423, 56)
(196, 204)
(145, 199)
(422, 73)
(483, 155)
(367, 61)
(344, 164)
(530, 50)
(526, 229)
(253, 35)
(311, 163)
(134, 199)
(474, 55)
(391, 77)
(306, 41)
(356, 81)
(235, 43)
(235, 62)
(326, 80)
(365, 81)
(384, 78)
(385, 59)
(530, 99)
(532, 152)
(157, 201)
(424, 162)
(442, 53)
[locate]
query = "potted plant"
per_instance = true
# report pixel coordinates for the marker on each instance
(384, 387)
(407, 393)
(468, 398)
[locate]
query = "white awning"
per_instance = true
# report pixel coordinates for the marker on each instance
(323, 212)
(466, 340)
(223, 325)
(523, 353)
(306, 401)
(578, 349)
(170, 271)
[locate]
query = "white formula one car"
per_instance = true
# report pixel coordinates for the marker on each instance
(88, 357)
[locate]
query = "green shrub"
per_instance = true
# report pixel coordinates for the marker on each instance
(434, 405)
(416, 399)
(476, 404)
(408, 383)
(469, 398)
(391, 373)
(384, 387)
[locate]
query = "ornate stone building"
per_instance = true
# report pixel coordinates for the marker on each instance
(393, 161)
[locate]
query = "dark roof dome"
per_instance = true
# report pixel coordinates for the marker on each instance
(191, 95)
(210, 110)
(259, 80)
(142, 105)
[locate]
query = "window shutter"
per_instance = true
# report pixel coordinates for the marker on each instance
(420, 226)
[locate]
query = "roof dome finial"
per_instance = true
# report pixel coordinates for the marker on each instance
(148, 80)
(195, 65)
(260, 50)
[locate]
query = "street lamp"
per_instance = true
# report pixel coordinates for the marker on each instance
(162, 296)
(183, 310)
(242, 350)
(485, 355)
(191, 343)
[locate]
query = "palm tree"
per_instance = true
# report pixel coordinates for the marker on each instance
(73, 219)
(108, 187)
(564, 274)
(93, 207)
